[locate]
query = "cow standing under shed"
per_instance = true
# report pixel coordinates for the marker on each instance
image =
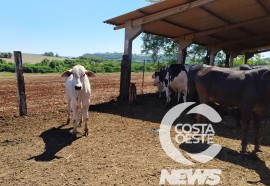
(247, 90)
(78, 90)
(172, 77)
(192, 90)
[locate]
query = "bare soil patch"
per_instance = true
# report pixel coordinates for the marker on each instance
(123, 145)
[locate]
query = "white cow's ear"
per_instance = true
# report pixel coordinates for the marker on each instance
(66, 73)
(90, 74)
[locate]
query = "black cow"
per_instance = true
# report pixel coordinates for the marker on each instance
(192, 91)
(247, 90)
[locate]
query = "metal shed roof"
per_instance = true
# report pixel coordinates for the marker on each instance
(238, 26)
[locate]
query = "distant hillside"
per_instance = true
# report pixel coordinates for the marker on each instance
(117, 56)
(33, 58)
(267, 59)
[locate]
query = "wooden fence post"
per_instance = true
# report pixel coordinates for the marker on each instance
(20, 83)
(143, 75)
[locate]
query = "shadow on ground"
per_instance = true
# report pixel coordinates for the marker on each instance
(55, 140)
(151, 108)
(248, 160)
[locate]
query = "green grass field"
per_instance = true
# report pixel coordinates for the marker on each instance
(33, 58)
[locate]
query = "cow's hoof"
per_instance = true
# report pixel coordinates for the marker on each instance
(68, 121)
(80, 123)
(257, 150)
(243, 150)
(74, 134)
(86, 132)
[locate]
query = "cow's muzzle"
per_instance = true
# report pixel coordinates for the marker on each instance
(78, 88)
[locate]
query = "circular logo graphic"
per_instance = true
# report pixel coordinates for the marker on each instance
(165, 133)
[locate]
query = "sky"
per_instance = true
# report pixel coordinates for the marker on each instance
(67, 27)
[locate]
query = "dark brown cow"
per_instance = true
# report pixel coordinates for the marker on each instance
(247, 90)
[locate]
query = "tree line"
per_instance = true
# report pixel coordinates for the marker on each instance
(5, 54)
(97, 65)
(50, 54)
(100, 65)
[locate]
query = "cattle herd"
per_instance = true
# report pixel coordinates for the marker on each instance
(246, 89)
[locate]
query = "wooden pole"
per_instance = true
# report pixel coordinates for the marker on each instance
(232, 56)
(143, 75)
(182, 50)
(248, 55)
(125, 77)
(227, 60)
(20, 83)
(130, 34)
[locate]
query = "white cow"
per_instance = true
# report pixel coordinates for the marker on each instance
(78, 90)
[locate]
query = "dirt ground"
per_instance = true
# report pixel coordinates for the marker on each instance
(123, 145)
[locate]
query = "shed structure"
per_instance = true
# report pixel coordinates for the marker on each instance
(234, 26)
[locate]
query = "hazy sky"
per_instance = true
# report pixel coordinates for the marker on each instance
(66, 27)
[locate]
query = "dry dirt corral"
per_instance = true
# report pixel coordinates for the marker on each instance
(122, 148)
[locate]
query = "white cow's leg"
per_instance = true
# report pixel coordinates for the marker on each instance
(68, 110)
(168, 96)
(85, 118)
(185, 92)
(75, 119)
(178, 96)
(81, 117)
(185, 96)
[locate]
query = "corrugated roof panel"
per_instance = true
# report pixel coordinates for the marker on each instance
(165, 29)
(197, 19)
(259, 28)
(123, 18)
(207, 40)
(164, 5)
(214, 22)
(232, 34)
(236, 10)
(119, 20)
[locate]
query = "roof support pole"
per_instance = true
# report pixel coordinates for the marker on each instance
(213, 52)
(248, 55)
(130, 34)
(182, 50)
(232, 56)
(227, 60)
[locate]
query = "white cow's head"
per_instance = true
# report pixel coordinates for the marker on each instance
(78, 73)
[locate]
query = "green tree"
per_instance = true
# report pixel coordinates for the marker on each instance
(45, 61)
(51, 54)
(157, 45)
(5, 55)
